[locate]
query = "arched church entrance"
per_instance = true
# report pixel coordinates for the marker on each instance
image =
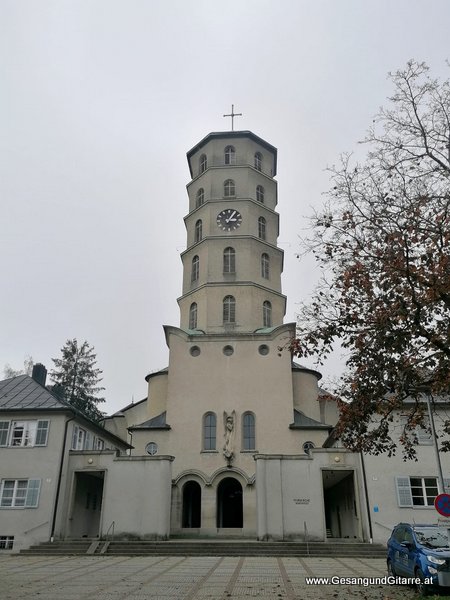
(192, 505)
(229, 503)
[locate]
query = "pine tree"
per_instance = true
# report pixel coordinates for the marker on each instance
(76, 372)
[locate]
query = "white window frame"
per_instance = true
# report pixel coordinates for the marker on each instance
(229, 310)
(422, 435)
(209, 432)
(78, 438)
(6, 542)
(265, 265)
(193, 313)
(405, 496)
(248, 431)
(25, 493)
(229, 260)
(195, 269)
(260, 194)
(200, 198)
(33, 433)
(267, 314)
(229, 188)
(262, 223)
(230, 155)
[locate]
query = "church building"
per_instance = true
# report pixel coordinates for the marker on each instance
(245, 425)
(233, 438)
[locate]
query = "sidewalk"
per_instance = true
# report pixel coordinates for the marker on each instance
(189, 578)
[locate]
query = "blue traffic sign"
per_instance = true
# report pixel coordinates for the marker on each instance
(442, 504)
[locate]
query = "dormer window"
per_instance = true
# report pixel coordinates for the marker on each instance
(258, 161)
(230, 155)
(203, 163)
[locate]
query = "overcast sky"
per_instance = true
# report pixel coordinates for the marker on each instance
(99, 102)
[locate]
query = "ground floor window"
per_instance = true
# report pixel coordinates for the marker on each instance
(6, 542)
(417, 491)
(19, 493)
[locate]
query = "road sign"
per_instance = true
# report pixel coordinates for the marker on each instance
(442, 504)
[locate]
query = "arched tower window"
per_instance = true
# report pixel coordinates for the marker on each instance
(229, 260)
(198, 230)
(229, 309)
(203, 163)
(260, 194)
(248, 431)
(265, 265)
(195, 268)
(200, 197)
(262, 228)
(193, 316)
(258, 161)
(267, 314)
(230, 155)
(229, 189)
(209, 431)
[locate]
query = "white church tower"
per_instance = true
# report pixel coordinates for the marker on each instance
(232, 266)
(234, 416)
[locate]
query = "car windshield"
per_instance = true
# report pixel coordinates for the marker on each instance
(432, 537)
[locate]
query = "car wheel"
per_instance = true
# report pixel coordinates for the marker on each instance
(390, 569)
(422, 588)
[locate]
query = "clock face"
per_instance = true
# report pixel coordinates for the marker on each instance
(229, 219)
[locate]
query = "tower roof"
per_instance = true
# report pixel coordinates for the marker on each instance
(231, 135)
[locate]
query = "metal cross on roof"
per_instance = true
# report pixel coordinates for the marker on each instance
(232, 115)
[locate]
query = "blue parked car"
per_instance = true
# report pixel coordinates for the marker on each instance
(420, 551)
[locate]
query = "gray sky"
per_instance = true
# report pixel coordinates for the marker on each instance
(100, 101)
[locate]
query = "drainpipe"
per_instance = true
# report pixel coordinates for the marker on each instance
(58, 485)
(363, 468)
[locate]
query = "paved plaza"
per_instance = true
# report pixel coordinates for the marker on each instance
(188, 578)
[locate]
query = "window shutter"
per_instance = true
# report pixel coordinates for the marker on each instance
(41, 433)
(74, 437)
(404, 495)
(88, 441)
(32, 498)
(446, 486)
(4, 430)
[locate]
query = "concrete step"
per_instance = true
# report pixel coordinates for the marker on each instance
(210, 548)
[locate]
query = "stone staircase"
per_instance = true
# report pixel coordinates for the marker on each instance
(208, 548)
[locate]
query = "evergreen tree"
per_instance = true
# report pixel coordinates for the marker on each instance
(76, 372)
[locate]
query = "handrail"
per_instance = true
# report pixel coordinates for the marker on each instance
(306, 537)
(36, 527)
(381, 525)
(108, 530)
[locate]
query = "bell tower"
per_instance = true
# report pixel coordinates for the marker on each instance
(232, 265)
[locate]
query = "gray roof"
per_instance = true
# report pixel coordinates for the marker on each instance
(23, 393)
(301, 421)
(158, 422)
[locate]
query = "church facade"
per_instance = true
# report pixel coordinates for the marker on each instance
(233, 438)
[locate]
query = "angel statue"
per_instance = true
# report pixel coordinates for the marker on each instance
(228, 425)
